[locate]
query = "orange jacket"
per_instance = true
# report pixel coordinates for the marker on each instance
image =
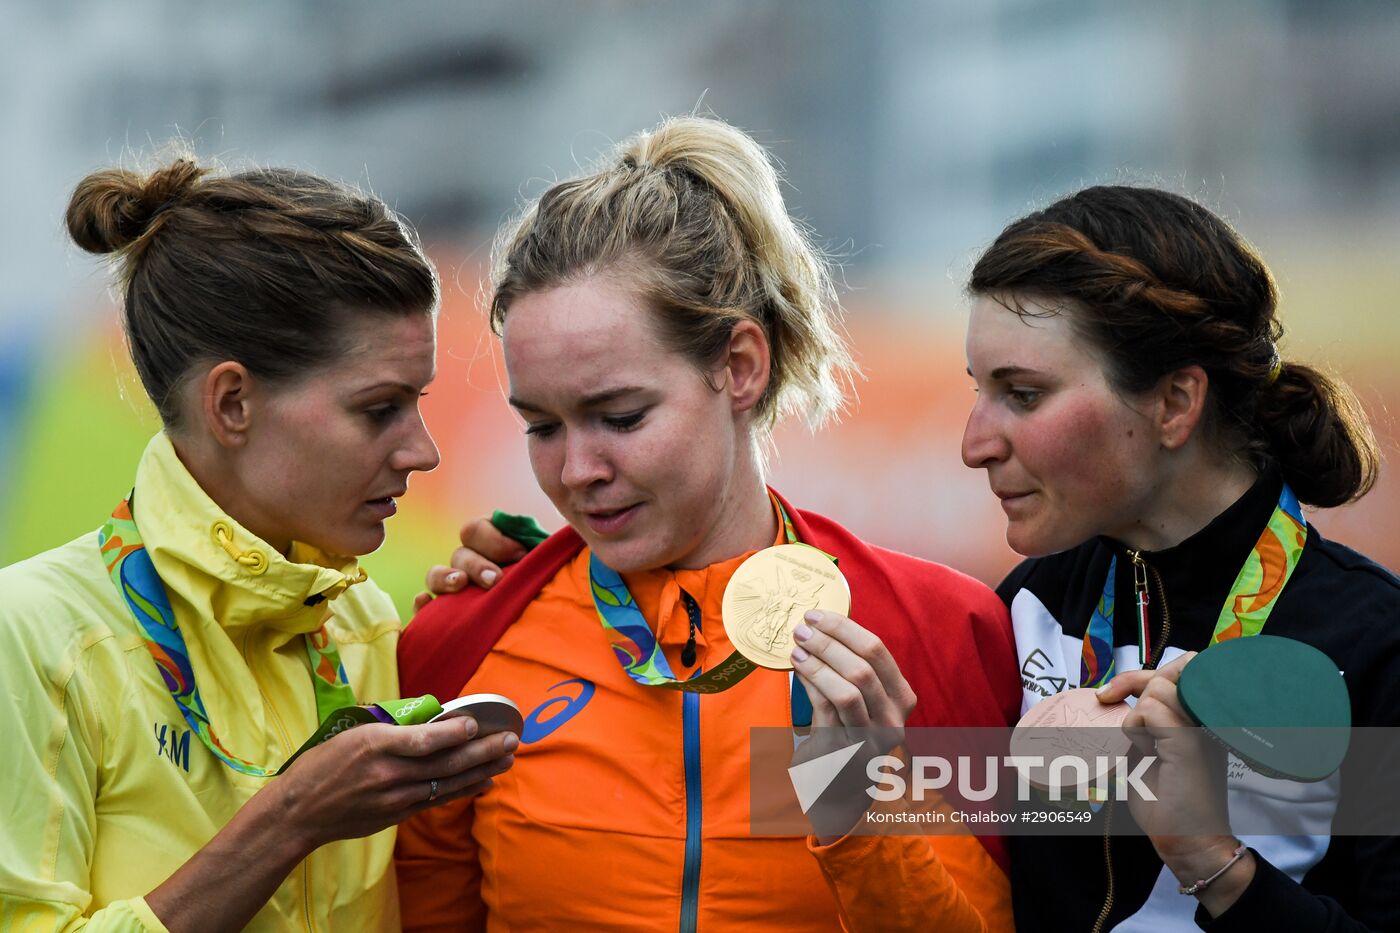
(628, 806)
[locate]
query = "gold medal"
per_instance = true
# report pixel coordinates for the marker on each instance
(771, 591)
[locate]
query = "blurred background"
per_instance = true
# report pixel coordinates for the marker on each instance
(911, 131)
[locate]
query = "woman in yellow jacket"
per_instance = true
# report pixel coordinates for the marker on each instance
(157, 672)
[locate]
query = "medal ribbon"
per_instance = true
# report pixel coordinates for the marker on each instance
(130, 567)
(1266, 570)
(636, 648)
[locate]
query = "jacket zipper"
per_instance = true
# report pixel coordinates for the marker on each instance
(1141, 570)
(690, 727)
(1107, 907)
(1166, 618)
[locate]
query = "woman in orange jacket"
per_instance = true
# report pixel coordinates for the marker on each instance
(658, 316)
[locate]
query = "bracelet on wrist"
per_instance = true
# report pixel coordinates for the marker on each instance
(1203, 883)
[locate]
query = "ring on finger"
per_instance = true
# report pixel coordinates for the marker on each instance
(432, 789)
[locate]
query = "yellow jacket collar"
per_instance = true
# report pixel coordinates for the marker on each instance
(209, 560)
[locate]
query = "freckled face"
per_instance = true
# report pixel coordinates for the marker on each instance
(1068, 457)
(627, 439)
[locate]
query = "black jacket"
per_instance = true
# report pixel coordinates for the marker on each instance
(1338, 601)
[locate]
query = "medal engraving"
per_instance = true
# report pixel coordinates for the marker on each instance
(769, 594)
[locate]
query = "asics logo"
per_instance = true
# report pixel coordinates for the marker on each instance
(554, 712)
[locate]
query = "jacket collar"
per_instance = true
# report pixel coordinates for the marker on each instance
(208, 560)
(1197, 573)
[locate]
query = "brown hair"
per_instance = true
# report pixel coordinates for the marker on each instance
(1155, 282)
(691, 213)
(263, 267)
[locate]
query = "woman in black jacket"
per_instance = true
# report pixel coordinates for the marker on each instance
(1142, 432)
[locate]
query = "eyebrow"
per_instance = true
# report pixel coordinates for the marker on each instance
(592, 400)
(1002, 373)
(405, 387)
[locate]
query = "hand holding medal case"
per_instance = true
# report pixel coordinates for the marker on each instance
(1280, 705)
(493, 713)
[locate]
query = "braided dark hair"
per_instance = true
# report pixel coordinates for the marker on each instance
(1156, 282)
(262, 267)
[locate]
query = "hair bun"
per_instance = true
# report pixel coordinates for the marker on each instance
(112, 208)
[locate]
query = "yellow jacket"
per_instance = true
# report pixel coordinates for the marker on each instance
(105, 790)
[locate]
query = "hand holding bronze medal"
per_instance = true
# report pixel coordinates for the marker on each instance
(1279, 705)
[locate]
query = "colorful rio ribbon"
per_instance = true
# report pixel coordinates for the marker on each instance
(1096, 660)
(130, 567)
(636, 648)
(1252, 597)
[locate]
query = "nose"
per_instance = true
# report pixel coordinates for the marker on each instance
(585, 461)
(419, 451)
(983, 442)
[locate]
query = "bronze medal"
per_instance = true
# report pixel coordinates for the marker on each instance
(1072, 725)
(769, 594)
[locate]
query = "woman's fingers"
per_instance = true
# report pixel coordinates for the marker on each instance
(467, 567)
(386, 769)
(844, 699)
(1133, 683)
(1126, 685)
(374, 776)
(478, 561)
(441, 580)
(453, 782)
(485, 540)
(853, 670)
(868, 646)
(415, 741)
(447, 796)
(461, 759)
(823, 713)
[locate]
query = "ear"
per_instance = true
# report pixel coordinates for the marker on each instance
(226, 403)
(1181, 398)
(748, 365)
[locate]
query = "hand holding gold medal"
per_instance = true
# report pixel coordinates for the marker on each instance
(785, 609)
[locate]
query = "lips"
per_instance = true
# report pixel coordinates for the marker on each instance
(610, 521)
(1015, 502)
(382, 508)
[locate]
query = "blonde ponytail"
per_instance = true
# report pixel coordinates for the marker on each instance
(691, 214)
